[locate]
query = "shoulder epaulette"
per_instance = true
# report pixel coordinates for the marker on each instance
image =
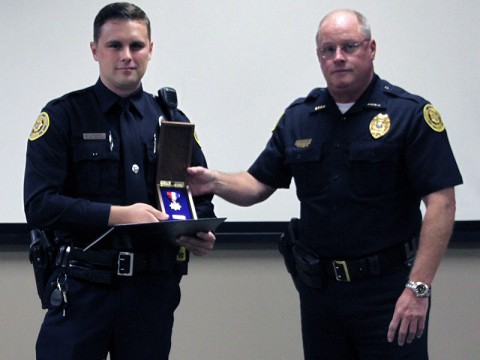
(311, 97)
(397, 91)
(67, 96)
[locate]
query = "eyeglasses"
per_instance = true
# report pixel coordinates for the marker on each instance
(328, 51)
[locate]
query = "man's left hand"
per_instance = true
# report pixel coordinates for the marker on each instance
(198, 245)
(409, 318)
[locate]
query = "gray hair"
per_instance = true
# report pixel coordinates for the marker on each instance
(362, 21)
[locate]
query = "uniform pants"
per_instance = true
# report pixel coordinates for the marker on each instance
(131, 319)
(350, 320)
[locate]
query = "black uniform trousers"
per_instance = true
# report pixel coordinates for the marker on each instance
(131, 319)
(349, 320)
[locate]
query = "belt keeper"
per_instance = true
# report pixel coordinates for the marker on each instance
(375, 268)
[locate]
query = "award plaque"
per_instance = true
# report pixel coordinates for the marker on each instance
(174, 197)
(174, 156)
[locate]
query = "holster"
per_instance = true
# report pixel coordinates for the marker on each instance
(42, 257)
(309, 267)
(286, 243)
(300, 262)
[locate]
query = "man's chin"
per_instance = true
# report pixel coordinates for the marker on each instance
(128, 85)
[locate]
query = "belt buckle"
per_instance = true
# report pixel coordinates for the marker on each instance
(341, 270)
(125, 264)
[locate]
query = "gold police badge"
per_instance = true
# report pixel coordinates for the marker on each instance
(40, 127)
(433, 118)
(379, 126)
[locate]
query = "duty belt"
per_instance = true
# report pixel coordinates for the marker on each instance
(374, 265)
(102, 266)
(313, 269)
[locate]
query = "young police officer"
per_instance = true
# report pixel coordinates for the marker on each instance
(91, 164)
(364, 154)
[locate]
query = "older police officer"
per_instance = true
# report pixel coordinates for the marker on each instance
(364, 154)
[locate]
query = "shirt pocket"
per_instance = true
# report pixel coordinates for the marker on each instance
(96, 168)
(306, 168)
(374, 168)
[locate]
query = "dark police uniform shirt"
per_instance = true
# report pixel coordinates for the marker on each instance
(74, 169)
(360, 176)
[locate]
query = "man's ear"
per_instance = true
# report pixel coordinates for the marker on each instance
(373, 48)
(93, 48)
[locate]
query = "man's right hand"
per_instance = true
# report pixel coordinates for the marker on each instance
(135, 214)
(200, 180)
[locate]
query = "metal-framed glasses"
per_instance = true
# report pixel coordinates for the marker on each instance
(328, 51)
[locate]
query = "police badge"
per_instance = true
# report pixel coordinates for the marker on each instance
(379, 126)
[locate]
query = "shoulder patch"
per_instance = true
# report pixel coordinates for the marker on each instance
(196, 139)
(280, 118)
(40, 127)
(433, 118)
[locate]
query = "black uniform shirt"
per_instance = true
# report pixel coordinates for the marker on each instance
(360, 176)
(74, 170)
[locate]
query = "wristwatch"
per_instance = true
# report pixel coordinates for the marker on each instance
(421, 289)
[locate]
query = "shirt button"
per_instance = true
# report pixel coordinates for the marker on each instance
(135, 168)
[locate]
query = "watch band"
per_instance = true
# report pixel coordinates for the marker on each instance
(420, 289)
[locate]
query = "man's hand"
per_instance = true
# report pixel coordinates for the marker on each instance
(198, 245)
(200, 180)
(409, 318)
(135, 214)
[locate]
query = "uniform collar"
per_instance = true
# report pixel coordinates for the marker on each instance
(107, 98)
(370, 99)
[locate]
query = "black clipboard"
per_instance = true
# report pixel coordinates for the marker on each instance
(162, 230)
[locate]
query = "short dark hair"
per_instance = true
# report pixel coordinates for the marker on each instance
(119, 11)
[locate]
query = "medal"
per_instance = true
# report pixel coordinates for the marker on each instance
(379, 126)
(173, 196)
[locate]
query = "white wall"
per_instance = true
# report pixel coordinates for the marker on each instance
(241, 305)
(236, 65)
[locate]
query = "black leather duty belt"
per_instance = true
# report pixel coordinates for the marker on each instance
(314, 270)
(374, 265)
(103, 266)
